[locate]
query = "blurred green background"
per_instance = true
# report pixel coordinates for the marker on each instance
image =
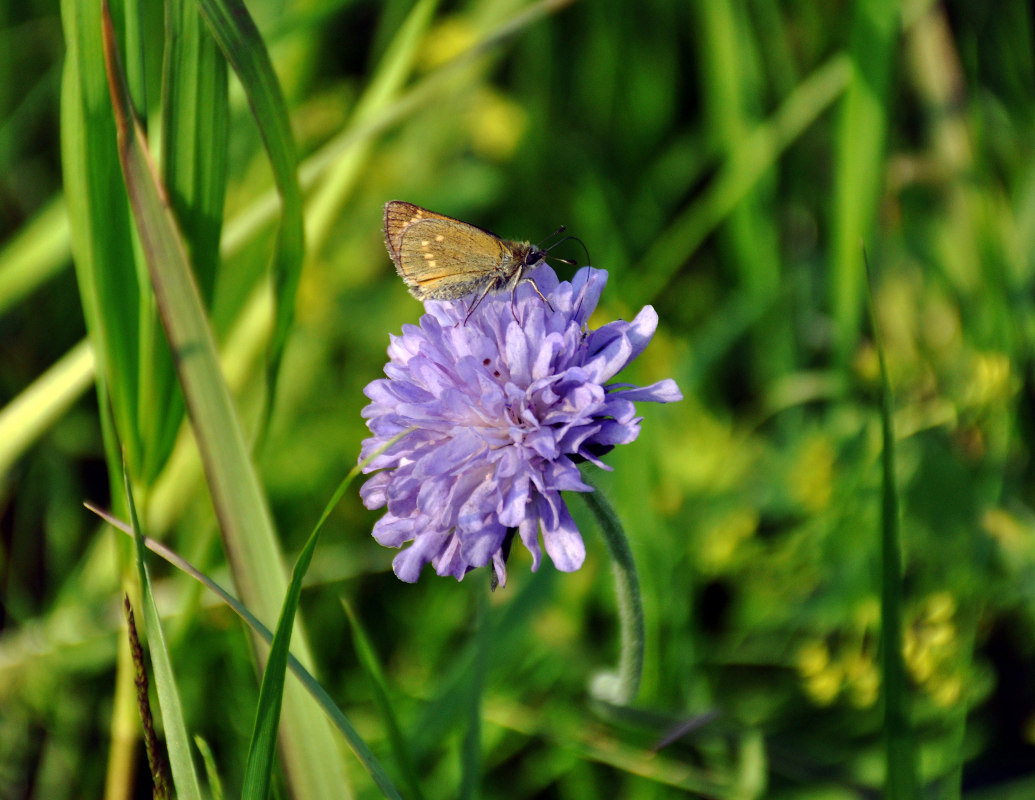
(727, 163)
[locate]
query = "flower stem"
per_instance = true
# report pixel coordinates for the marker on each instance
(620, 688)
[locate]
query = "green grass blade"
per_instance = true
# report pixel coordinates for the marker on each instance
(264, 731)
(326, 203)
(741, 171)
(471, 766)
(215, 783)
(313, 765)
(195, 127)
(428, 89)
(733, 88)
(195, 122)
(311, 685)
(35, 254)
(177, 740)
(859, 161)
(132, 17)
(259, 769)
(99, 219)
(446, 708)
(901, 764)
(233, 28)
(38, 407)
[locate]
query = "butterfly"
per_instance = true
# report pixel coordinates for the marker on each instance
(441, 258)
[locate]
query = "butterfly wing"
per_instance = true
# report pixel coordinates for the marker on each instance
(398, 215)
(443, 258)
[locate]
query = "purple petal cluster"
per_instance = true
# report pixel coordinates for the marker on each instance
(503, 407)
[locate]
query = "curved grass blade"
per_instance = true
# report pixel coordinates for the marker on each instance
(410, 101)
(750, 233)
(215, 783)
(394, 69)
(195, 128)
(313, 765)
(40, 251)
(36, 409)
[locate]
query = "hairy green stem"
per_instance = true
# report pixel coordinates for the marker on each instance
(620, 688)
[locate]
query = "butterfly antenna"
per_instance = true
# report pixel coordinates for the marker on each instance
(557, 232)
(568, 260)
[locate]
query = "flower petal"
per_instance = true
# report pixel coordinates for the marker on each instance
(528, 530)
(563, 543)
(665, 391)
(425, 548)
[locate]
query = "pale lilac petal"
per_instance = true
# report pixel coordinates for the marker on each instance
(513, 508)
(545, 278)
(665, 391)
(450, 560)
(499, 566)
(478, 548)
(426, 547)
(373, 493)
(642, 328)
(528, 530)
(563, 543)
(391, 531)
(587, 285)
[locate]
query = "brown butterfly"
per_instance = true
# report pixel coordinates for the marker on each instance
(441, 258)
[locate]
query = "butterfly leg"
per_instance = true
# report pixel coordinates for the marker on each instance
(536, 288)
(477, 302)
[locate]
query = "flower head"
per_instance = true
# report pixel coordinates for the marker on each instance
(503, 407)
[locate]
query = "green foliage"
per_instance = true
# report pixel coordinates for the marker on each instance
(724, 162)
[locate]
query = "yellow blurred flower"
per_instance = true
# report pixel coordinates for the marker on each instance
(1010, 533)
(824, 688)
(810, 481)
(721, 541)
(445, 41)
(813, 657)
(496, 124)
(931, 646)
(866, 364)
(948, 691)
(991, 380)
(863, 680)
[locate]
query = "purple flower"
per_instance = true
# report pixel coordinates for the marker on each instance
(503, 408)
